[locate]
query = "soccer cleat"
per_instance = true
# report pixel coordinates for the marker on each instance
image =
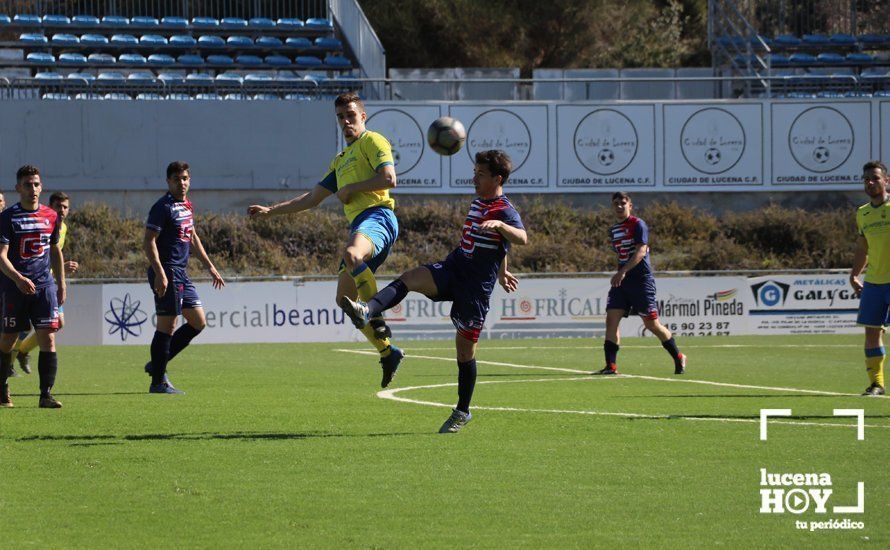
(24, 362)
(874, 390)
(381, 329)
(611, 368)
(148, 372)
(455, 422)
(13, 373)
(49, 402)
(680, 365)
(356, 311)
(164, 387)
(390, 365)
(5, 401)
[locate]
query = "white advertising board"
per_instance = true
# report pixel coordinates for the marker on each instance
(802, 304)
(405, 125)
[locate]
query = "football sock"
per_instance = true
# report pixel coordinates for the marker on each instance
(874, 364)
(5, 367)
(25, 346)
(391, 295)
(381, 345)
(181, 338)
(47, 366)
(366, 286)
(466, 381)
(671, 346)
(611, 349)
(160, 349)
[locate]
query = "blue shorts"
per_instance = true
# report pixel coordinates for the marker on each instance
(635, 297)
(181, 293)
(40, 309)
(380, 226)
(874, 305)
(469, 303)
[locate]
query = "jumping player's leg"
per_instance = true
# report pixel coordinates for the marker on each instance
(419, 279)
(346, 289)
(374, 232)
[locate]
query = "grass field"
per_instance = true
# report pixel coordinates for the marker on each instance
(291, 445)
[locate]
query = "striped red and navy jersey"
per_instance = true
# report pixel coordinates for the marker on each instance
(626, 237)
(481, 252)
(29, 234)
(174, 222)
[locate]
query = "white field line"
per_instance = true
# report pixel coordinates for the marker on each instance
(654, 346)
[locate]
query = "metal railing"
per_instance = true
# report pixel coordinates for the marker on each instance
(799, 17)
(358, 32)
(245, 9)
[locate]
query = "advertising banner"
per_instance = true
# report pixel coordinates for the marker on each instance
(802, 304)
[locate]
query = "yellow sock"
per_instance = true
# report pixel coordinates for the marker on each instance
(366, 284)
(874, 364)
(25, 346)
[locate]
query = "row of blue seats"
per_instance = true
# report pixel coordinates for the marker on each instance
(287, 79)
(800, 58)
(149, 96)
(863, 41)
(827, 94)
(186, 60)
(259, 23)
(180, 41)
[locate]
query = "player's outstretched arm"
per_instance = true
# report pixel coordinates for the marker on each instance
(307, 200)
(150, 247)
(507, 279)
(57, 261)
(218, 281)
(24, 284)
(860, 259)
(512, 234)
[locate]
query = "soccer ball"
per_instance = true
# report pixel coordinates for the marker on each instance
(446, 135)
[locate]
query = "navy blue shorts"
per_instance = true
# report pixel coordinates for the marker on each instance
(181, 293)
(874, 305)
(469, 306)
(635, 297)
(21, 311)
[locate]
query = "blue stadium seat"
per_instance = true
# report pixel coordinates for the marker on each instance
(235, 97)
(142, 77)
(229, 78)
(258, 77)
(204, 22)
(298, 42)
(860, 57)
(828, 94)
(881, 93)
(171, 78)
(269, 42)
(328, 43)
(208, 97)
(337, 61)
(233, 23)
(874, 73)
(802, 59)
(40, 58)
(48, 76)
(85, 21)
(64, 39)
(153, 40)
(297, 97)
(210, 41)
(239, 42)
(179, 97)
(144, 21)
(250, 60)
(124, 40)
(308, 61)
(115, 21)
(149, 97)
(219, 59)
(264, 97)
(317, 23)
(857, 93)
(175, 22)
(278, 61)
(757, 42)
(183, 41)
(82, 78)
(289, 23)
(33, 39)
(873, 41)
(93, 40)
(161, 60)
(830, 58)
(117, 96)
(816, 40)
(56, 96)
(132, 59)
(88, 96)
(5, 20)
(841, 39)
(56, 20)
(199, 79)
(101, 59)
(261, 23)
(73, 59)
(112, 77)
(191, 60)
(27, 20)
(801, 95)
(786, 41)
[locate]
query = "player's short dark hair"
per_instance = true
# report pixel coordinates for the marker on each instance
(620, 195)
(26, 171)
(346, 98)
(176, 167)
(498, 163)
(875, 165)
(57, 197)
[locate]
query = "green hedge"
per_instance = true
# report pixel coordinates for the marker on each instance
(562, 238)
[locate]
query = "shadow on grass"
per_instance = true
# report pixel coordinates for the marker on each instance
(83, 440)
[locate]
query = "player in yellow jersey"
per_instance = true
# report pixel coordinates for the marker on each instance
(361, 176)
(61, 203)
(873, 248)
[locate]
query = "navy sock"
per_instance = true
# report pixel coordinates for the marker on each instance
(466, 382)
(611, 349)
(5, 368)
(160, 349)
(671, 348)
(181, 338)
(391, 295)
(47, 366)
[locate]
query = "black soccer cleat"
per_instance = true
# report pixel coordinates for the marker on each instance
(874, 390)
(24, 362)
(680, 365)
(611, 368)
(390, 365)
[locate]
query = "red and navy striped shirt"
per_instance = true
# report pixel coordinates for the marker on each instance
(626, 237)
(29, 234)
(174, 222)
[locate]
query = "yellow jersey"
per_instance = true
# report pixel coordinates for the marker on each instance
(358, 162)
(873, 223)
(63, 232)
